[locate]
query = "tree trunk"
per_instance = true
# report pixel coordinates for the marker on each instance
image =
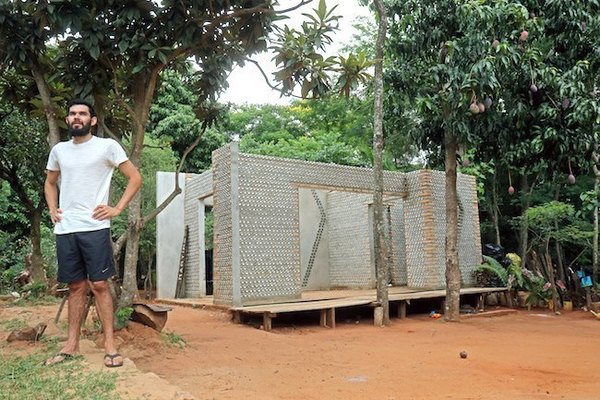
(551, 279)
(452, 304)
(524, 227)
(129, 290)
(49, 109)
(38, 274)
(381, 244)
(143, 93)
(560, 266)
(494, 210)
(595, 272)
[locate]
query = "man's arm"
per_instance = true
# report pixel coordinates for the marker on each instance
(51, 194)
(134, 182)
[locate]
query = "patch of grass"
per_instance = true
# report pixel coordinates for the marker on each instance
(26, 378)
(173, 339)
(44, 300)
(13, 324)
(51, 342)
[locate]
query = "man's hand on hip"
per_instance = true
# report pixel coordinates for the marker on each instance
(103, 212)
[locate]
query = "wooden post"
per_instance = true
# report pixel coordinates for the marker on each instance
(237, 317)
(267, 321)
(481, 305)
(331, 317)
(328, 318)
(402, 309)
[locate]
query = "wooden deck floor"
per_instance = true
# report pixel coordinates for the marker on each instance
(328, 301)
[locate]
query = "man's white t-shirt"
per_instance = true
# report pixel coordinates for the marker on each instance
(85, 173)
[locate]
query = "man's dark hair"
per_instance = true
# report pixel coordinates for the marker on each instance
(75, 102)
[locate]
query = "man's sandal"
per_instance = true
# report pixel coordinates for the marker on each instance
(109, 360)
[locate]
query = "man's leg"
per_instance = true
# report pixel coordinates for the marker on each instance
(76, 308)
(104, 306)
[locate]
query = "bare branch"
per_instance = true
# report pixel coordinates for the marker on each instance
(297, 6)
(111, 134)
(264, 74)
(118, 245)
(177, 190)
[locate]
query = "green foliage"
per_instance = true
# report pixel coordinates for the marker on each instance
(178, 115)
(48, 248)
(494, 268)
(333, 130)
(12, 259)
(298, 54)
(122, 317)
(514, 270)
(24, 377)
(556, 220)
(511, 276)
(537, 286)
(173, 339)
(36, 289)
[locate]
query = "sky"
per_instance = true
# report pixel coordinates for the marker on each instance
(247, 85)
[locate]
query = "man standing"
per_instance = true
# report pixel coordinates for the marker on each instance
(81, 218)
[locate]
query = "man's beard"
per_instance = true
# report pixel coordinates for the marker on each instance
(84, 130)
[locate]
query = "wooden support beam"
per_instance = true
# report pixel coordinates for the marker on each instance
(237, 317)
(331, 317)
(323, 319)
(267, 320)
(481, 301)
(327, 319)
(402, 309)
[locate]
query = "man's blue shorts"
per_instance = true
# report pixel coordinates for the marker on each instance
(85, 255)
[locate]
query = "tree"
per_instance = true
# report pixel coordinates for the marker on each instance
(380, 238)
(525, 71)
(23, 150)
(304, 130)
(444, 65)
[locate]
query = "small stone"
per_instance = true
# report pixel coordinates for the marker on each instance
(183, 396)
(463, 354)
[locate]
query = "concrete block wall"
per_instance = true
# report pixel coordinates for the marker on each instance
(469, 240)
(197, 187)
(349, 244)
(224, 184)
(398, 270)
(269, 231)
(425, 218)
(422, 244)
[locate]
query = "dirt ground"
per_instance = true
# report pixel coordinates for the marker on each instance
(520, 355)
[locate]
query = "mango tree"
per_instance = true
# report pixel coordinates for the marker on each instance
(545, 128)
(443, 60)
